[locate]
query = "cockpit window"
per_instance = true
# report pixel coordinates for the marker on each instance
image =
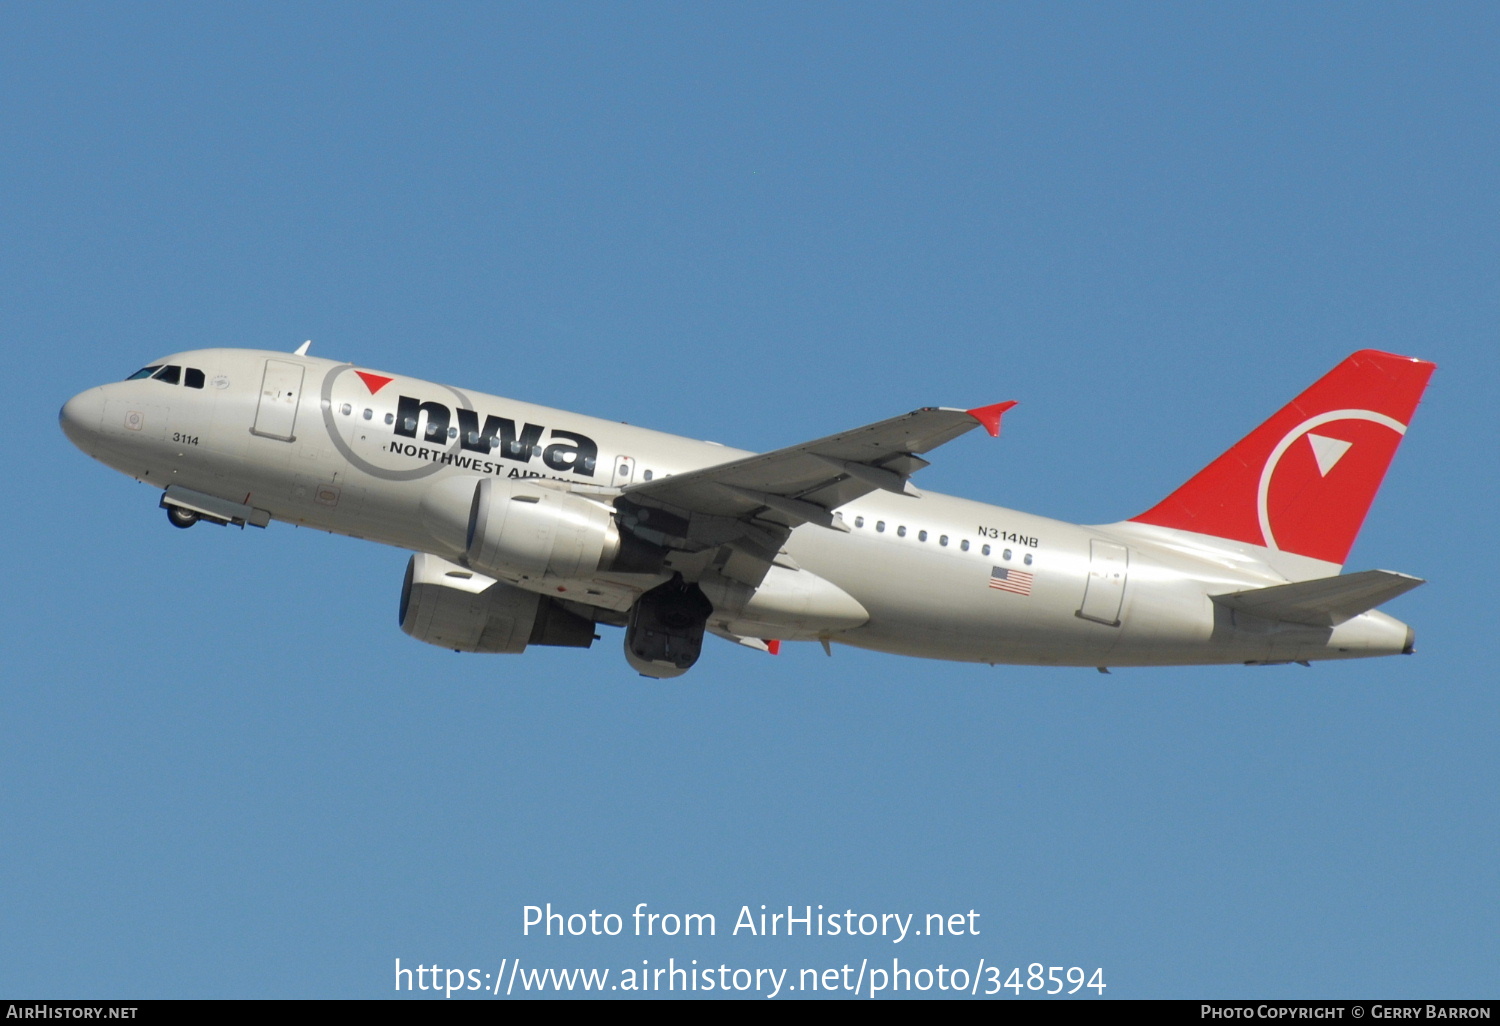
(172, 374)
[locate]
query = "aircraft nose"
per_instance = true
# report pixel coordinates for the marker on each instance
(81, 417)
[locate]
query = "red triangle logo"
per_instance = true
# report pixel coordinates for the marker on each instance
(374, 382)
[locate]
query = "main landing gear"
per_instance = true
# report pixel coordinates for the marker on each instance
(665, 633)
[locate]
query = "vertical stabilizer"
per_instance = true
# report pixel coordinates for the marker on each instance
(1303, 481)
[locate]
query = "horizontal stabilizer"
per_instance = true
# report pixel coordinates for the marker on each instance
(1324, 602)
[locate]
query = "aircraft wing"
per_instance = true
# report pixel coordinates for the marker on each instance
(753, 503)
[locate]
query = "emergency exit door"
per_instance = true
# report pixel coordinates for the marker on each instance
(624, 472)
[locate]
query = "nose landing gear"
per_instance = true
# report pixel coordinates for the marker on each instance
(180, 516)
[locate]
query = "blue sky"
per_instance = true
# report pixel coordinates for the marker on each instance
(226, 772)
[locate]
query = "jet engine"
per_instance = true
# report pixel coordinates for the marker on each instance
(531, 529)
(450, 606)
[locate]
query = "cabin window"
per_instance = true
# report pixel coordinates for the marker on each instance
(368, 413)
(986, 549)
(859, 521)
(880, 525)
(964, 545)
(1027, 560)
(901, 531)
(647, 475)
(921, 536)
(390, 418)
(943, 540)
(346, 409)
(1006, 554)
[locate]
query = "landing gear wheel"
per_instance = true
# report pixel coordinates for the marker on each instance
(181, 517)
(665, 632)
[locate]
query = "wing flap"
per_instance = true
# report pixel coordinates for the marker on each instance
(1323, 602)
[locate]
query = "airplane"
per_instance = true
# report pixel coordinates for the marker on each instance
(536, 526)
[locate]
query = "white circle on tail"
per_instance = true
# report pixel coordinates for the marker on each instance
(1264, 491)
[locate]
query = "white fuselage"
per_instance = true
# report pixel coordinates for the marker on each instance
(313, 442)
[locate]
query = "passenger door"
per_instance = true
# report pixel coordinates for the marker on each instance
(280, 394)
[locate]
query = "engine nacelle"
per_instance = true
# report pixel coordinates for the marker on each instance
(522, 527)
(450, 606)
(529, 528)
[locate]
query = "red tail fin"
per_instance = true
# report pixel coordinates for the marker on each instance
(1303, 481)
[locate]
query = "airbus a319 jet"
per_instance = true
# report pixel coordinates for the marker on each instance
(534, 526)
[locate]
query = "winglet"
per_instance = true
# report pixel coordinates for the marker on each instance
(989, 416)
(773, 646)
(303, 348)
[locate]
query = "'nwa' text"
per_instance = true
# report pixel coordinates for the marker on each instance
(568, 451)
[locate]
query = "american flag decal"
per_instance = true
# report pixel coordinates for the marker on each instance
(1006, 579)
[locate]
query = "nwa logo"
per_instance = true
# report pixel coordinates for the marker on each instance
(566, 451)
